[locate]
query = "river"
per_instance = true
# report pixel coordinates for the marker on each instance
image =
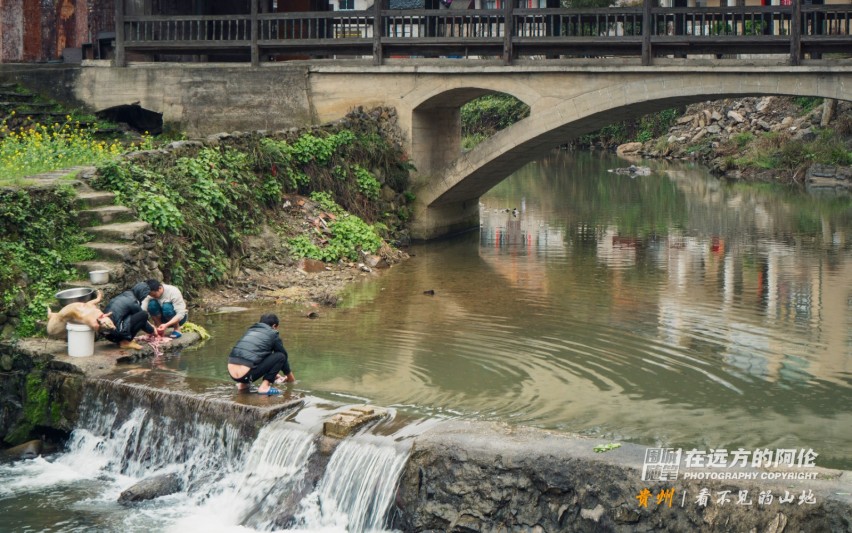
(670, 309)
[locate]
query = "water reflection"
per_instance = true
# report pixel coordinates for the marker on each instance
(669, 309)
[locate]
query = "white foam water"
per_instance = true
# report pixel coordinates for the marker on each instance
(358, 486)
(229, 485)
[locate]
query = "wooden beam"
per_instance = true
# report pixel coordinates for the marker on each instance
(120, 59)
(255, 27)
(647, 21)
(796, 33)
(508, 28)
(378, 25)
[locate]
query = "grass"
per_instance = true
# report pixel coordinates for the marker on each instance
(776, 151)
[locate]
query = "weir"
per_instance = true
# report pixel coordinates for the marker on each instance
(269, 466)
(229, 475)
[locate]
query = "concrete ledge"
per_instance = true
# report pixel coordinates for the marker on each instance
(107, 354)
(481, 477)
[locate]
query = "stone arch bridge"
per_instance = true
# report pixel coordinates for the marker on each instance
(565, 101)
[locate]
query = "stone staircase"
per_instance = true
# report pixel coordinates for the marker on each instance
(122, 245)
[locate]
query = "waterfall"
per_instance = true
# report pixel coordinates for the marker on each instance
(134, 440)
(232, 480)
(258, 493)
(358, 485)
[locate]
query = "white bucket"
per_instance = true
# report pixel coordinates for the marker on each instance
(81, 340)
(99, 277)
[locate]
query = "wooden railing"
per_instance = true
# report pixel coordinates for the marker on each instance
(647, 32)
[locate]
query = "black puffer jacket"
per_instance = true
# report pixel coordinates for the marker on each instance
(122, 307)
(259, 341)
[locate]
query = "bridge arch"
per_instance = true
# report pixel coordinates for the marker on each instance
(436, 126)
(448, 198)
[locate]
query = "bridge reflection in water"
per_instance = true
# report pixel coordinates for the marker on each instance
(509, 33)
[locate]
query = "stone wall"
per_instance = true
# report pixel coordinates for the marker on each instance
(466, 477)
(194, 99)
(37, 397)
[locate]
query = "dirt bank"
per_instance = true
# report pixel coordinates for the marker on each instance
(268, 273)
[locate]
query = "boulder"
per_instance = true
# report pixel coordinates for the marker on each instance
(628, 148)
(374, 261)
(152, 487)
(28, 450)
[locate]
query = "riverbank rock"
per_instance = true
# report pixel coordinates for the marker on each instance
(629, 149)
(706, 129)
(28, 450)
(150, 488)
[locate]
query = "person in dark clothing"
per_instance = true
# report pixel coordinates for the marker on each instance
(129, 317)
(260, 353)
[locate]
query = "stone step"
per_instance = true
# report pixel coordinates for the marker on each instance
(107, 214)
(89, 199)
(115, 268)
(121, 231)
(111, 251)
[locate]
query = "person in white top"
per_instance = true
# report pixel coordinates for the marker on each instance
(166, 306)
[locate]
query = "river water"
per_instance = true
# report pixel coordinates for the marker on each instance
(670, 310)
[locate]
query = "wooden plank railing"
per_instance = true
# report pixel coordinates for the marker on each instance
(508, 32)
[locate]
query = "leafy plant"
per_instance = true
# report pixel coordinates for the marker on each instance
(807, 103)
(742, 139)
(347, 236)
(486, 115)
(367, 183)
(643, 129)
(41, 242)
(326, 202)
(207, 201)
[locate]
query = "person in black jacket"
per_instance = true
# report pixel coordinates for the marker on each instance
(129, 317)
(260, 353)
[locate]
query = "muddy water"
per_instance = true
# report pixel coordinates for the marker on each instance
(667, 309)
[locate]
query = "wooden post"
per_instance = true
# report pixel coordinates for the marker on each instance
(120, 57)
(647, 22)
(508, 30)
(796, 33)
(378, 26)
(255, 52)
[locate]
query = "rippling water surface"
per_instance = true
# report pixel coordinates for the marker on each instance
(666, 309)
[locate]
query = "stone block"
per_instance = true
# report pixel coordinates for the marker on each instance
(347, 422)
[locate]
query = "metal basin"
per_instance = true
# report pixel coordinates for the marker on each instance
(78, 294)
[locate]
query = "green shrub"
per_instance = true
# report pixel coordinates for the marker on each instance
(367, 183)
(206, 203)
(41, 242)
(203, 205)
(643, 129)
(807, 103)
(486, 115)
(348, 235)
(742, 139)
